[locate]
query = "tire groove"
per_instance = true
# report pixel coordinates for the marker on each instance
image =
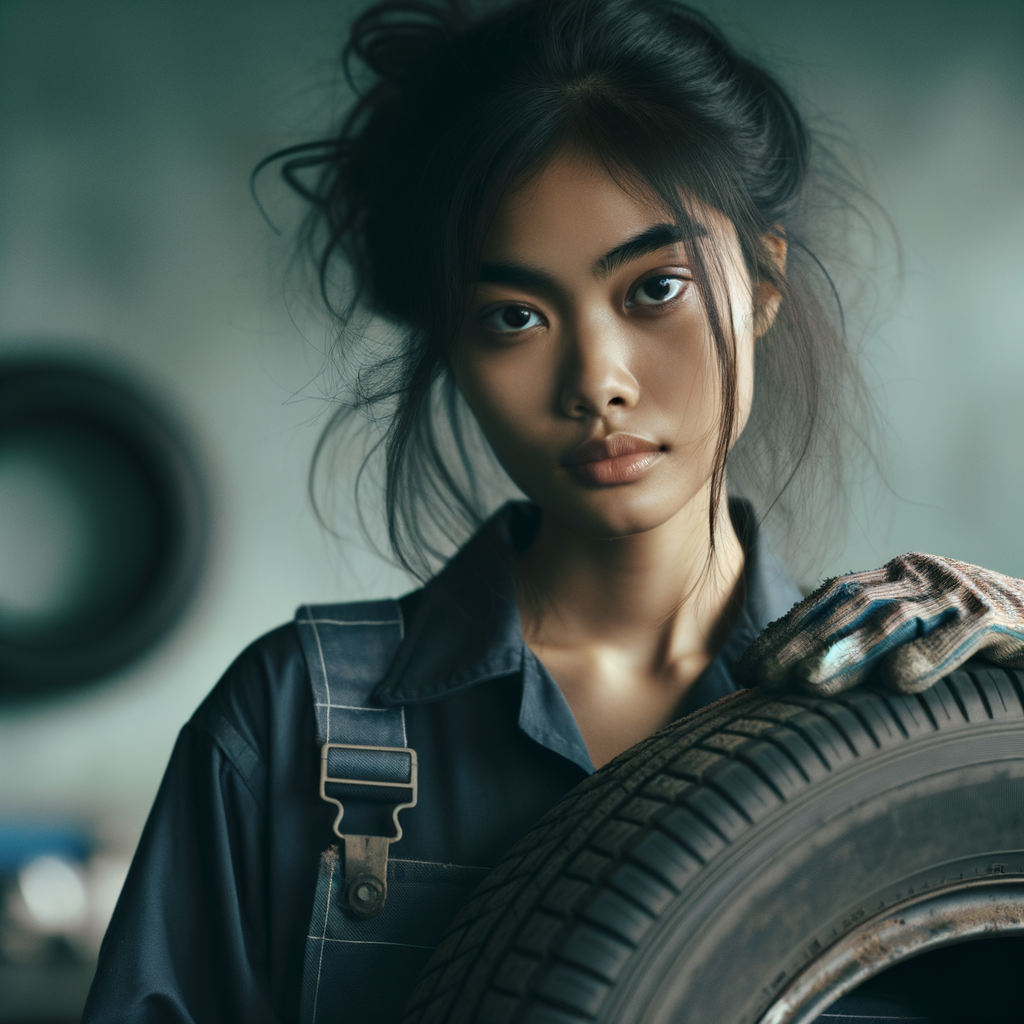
(684, 846)
(811, 742)
(579, 1014)
(781, 747)
(765, 777)
(1015, 682)
(854, 709)
(926, 707)
(895, 717)
(778, 744)
(847, 739)
(720, 790)
(992, 674)
(755, 767)
(981, 691)
(603, 928)
(700, 816)
(952, 690)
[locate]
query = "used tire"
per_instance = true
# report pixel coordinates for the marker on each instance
(744, 864)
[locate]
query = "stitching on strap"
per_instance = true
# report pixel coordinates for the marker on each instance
(401, 637)
(351, 622)
(323, 939)
(346, 707)
(323, 667)
(437, 863)
(368, 942)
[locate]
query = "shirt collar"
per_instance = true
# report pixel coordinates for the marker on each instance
(465, 629)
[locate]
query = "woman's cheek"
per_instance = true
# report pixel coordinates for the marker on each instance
(509, 398)
(679, 376)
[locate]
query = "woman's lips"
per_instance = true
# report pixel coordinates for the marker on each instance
(617, 459)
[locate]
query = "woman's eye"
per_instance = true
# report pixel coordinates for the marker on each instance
(657, 290)
(511, 318)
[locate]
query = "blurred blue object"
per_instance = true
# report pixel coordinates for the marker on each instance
(21, 841)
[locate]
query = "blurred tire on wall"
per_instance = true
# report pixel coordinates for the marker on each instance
(102, 524)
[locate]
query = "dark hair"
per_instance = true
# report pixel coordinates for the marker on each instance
(458, 109)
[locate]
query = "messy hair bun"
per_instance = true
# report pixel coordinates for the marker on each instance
(453, 110)
(393, 39)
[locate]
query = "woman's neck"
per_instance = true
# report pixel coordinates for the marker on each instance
(626, 625)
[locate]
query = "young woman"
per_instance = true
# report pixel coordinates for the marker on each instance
(588, 221)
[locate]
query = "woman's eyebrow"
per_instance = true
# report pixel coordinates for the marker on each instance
(650, 240)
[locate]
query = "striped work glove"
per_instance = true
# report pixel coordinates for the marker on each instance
(910, 623)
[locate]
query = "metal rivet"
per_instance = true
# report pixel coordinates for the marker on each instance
(366, 895)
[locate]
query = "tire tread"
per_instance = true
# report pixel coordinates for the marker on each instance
(548, 933)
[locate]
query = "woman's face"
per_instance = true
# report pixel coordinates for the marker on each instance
(586, 353)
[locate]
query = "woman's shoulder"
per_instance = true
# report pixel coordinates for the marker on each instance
(261, 699)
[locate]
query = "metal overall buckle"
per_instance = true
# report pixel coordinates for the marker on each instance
(366, 857)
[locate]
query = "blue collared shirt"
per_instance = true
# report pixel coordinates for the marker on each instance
(212, 921)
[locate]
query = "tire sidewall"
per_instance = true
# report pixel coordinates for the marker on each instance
(932, 813)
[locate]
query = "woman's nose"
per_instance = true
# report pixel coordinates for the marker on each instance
(596, 377)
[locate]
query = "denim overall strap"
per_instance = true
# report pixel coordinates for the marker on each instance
(367, 770)
(348, 648)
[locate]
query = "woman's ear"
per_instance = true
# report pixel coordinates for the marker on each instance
(766, 296)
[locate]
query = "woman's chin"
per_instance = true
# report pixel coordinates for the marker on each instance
(609, 513)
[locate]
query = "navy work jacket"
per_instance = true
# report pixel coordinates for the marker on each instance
(212, 921)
